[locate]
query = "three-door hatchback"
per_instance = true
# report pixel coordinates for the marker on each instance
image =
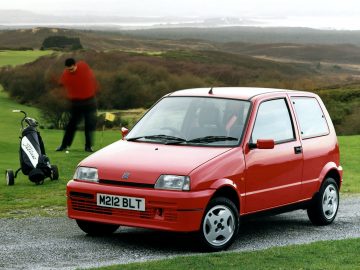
(200, 159)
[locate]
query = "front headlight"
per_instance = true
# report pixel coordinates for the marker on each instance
(86, 174)
(173, 182)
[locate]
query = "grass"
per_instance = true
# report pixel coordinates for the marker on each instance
(350, 161)
(25, 198)
(341, 254)
(13, 58)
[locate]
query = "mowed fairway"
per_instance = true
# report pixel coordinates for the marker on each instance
(13, 58)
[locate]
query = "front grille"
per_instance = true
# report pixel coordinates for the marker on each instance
(87, 203)
(125, 184)
(81, 195)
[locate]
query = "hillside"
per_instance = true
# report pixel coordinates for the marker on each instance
(161, 40)
(135, 72)
(257, 35)
(344, 53)
(95, 40)
(130, 79)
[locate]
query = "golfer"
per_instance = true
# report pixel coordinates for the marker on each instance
(81, 86)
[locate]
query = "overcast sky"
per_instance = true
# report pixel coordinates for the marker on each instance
(345, 12)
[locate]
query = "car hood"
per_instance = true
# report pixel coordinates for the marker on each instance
(145, 162)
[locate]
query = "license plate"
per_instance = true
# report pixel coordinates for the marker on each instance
(122, 202)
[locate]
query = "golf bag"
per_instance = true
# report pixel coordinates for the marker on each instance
(33, 160)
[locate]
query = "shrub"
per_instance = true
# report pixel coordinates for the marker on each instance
(54, 108)
(61, 42)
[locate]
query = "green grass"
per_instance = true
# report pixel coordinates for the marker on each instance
(341, 254)
(25, 198)
(350, 161)
(14, 58)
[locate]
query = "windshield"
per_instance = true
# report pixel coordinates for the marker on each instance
(193, 120)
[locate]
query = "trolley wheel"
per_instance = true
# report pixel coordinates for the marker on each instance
(10, 178)
(54, 172)
(39, 182)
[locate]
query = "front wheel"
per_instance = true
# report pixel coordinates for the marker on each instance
(220, 224)
(10, 178)
(96, 229)
(325, 204)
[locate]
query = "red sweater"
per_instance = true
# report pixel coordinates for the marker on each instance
(80, 84)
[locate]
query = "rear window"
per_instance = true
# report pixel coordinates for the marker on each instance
(311, 118)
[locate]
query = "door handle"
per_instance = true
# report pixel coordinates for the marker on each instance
(298, 149)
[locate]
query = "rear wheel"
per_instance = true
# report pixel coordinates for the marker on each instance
(10, 178)
(325, 204)
(220, 224)
(54, 172)
(96, 229)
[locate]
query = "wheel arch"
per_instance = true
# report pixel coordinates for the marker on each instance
(229, 192)
(333, 171)
(334, 174)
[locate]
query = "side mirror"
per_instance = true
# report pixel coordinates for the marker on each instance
(124, 132)
(262, 144)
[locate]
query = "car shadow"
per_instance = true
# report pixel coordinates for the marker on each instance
(251, 230)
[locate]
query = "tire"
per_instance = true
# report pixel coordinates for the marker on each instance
(41, 182)
(10, 178)
(220, 225)
(54, 172)
(325, 204)
(96, 229)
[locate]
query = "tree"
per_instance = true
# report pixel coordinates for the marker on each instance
(61, 42)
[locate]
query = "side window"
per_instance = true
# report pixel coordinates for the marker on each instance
(273, 122)
(311, 118)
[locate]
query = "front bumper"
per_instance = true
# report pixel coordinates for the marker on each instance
(179, 211)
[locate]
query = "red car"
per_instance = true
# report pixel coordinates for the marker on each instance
(200, 159)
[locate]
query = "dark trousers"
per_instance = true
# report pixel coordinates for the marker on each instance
(81, 109)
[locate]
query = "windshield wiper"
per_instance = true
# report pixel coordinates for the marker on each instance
(210, 139)
(177, 140)
(160, 136)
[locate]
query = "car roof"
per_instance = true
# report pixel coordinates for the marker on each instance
(244, 93)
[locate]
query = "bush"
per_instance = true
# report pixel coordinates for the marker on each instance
(54, 108)
(343, 105)
(61, 42)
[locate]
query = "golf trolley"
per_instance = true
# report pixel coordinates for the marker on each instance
(33, 160)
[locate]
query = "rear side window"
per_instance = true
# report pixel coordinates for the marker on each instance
(311, 118)
(273, 122)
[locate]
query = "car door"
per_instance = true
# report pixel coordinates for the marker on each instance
(273, 176)
(319, 144)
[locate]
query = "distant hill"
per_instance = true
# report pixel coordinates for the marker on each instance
(282, 44)
(323, 56)
(338, 53)
(135, 71)
(254, 35)
(95, 40)
(32, 38)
